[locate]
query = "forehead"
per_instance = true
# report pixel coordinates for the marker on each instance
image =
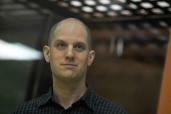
(71, 29)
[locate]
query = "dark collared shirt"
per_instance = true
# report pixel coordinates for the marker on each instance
(89, 103)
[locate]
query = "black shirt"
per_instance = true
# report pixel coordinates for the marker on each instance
(89, 103)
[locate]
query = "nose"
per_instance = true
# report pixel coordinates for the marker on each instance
(70, 53)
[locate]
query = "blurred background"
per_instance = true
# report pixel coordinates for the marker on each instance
(130, 38)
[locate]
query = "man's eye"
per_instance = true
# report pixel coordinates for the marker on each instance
(79, 47)
(61, 45)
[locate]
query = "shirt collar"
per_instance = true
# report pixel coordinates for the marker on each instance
(87, 98)
(45, 98)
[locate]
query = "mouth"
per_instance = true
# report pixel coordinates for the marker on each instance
(69, 66)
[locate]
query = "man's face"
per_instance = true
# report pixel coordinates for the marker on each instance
(69, 53)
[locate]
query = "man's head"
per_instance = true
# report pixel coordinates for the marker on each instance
(69, 50)
(71, 22)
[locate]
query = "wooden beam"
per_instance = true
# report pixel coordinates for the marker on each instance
(164, 106)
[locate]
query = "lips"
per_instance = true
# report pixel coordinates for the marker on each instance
(69, 66)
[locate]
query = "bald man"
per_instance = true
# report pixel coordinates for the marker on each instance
(69, 54)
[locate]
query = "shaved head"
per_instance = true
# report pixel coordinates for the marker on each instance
(72, 24)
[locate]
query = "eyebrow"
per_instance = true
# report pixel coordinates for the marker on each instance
(79, 42)
(60, 40)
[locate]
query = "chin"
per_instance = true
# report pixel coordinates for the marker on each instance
(72, 77)
(69, 75)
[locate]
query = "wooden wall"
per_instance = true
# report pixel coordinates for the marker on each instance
(133, 84)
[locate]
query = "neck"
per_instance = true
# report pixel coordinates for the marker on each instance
(66, 93)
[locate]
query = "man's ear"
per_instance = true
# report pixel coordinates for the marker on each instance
(91, 57)
(46, 53)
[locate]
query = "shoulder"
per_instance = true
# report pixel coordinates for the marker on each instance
(29, 106)
(105, 106)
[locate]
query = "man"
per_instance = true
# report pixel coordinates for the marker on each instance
(69, 54)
